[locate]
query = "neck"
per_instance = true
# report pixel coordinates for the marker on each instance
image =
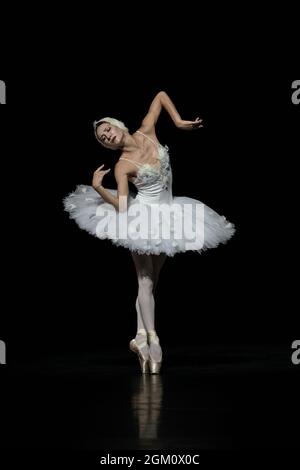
(129, 144)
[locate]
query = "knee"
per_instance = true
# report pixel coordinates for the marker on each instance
(146, 283)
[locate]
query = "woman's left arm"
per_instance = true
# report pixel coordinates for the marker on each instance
(162, 100)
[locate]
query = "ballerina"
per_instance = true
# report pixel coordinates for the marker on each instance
(152, 224)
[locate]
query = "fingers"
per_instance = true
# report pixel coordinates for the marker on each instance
(103, 171)
(197, 123)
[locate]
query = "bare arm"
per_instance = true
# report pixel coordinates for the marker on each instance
(162, 100)
(119, 201)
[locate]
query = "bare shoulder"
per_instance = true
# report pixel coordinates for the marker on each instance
(146, 131)
(124, 167)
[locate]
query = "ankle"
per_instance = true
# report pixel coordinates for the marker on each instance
(152, 336)
(151, 333)
(141, 331)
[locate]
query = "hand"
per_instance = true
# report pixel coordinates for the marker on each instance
(98, 176)
(190, 125)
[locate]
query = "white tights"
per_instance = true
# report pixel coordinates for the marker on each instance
(147, 268)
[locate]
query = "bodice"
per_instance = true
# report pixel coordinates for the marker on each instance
(154, 182)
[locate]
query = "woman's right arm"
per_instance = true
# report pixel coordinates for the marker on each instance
(119, 201)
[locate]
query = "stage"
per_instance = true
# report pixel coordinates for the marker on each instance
(215, 397)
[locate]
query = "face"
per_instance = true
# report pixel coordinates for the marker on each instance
(110, 136)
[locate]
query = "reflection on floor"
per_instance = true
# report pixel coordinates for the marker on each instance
(218, 397)
(146, 403)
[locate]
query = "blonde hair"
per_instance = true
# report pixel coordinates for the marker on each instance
(112, 121)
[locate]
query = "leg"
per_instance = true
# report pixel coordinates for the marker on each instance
(148, 268)
(140, 322)
(155, 351)
(145, 300)
(158, 262)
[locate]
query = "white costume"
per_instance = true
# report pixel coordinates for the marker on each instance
(155, 222)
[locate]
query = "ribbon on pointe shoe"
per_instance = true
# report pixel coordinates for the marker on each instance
(141, 331)
(152, 336)
(143, 343)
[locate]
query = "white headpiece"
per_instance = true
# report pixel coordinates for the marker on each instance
(114, 122)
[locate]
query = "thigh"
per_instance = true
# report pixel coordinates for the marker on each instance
(143, 265)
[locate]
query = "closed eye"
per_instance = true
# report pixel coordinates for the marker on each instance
(103, 135)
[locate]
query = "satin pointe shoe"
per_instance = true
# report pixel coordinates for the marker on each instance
(154, 366)
(136, 348)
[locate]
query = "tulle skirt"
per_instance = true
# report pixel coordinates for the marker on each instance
(180, 225)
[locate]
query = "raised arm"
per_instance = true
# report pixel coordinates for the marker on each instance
(162, 100)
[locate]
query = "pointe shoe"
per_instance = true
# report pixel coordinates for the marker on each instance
(144, 361)
(154, 366)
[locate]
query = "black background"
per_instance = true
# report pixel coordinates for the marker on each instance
(71, 290)
(66, 292)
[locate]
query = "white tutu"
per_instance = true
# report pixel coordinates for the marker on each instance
(155, 222)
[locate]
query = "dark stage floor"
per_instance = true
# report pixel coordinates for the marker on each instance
(210, 397)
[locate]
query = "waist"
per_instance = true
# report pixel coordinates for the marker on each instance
(146, 198)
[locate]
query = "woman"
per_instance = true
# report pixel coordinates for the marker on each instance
(153, 224)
